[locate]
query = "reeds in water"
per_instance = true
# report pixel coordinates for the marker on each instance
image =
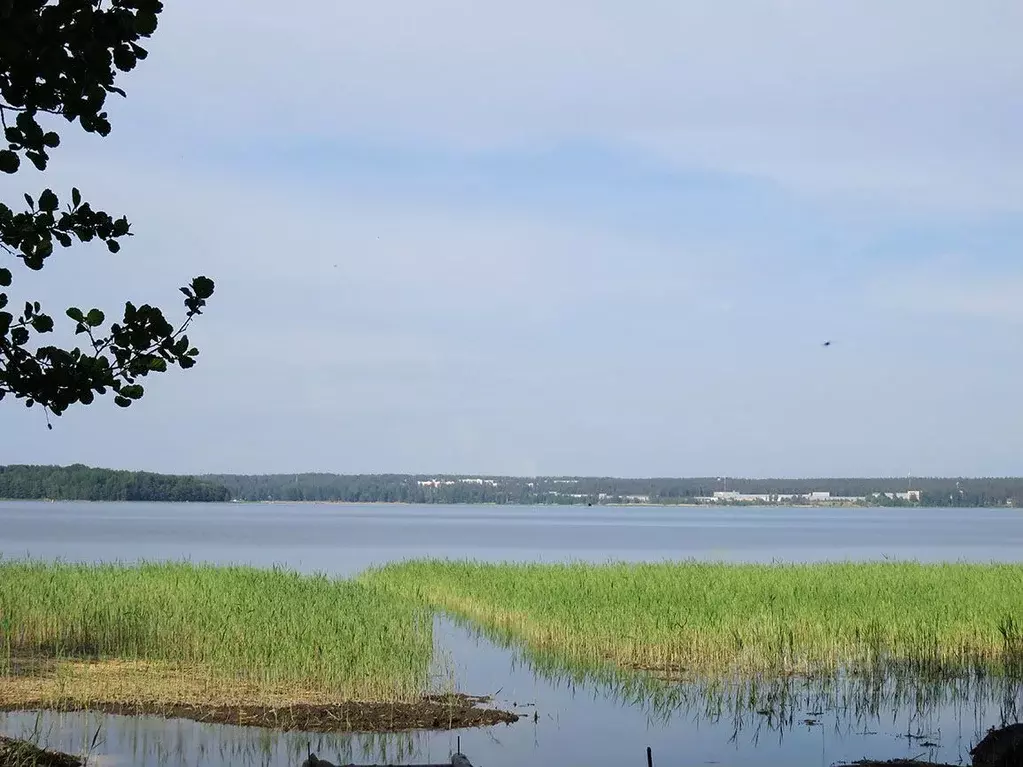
(266, 629)
(700, 618)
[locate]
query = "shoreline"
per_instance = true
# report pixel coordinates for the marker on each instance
(433, 713)
(494, 504)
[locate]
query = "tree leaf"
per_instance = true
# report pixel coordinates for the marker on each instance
(203, 287)
(94, 318)
(5, 278)
(43, 323)
(9, 161)
(122, 401)
(145, 23)
(124, 59)
(76, 197)
(48, 201)
(76, 314)
(135, 391)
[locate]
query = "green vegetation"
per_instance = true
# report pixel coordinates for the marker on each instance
(214, 630)
(694, 618)
(407, 488)
(86, 484)
(59, 63)
(19, 753)
(226, 635)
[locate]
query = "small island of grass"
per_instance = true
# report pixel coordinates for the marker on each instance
(222, 644)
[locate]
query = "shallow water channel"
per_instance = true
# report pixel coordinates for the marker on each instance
(565, 720)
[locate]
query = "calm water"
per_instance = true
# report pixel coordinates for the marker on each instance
(577, 722)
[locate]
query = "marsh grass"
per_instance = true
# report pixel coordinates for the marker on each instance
(697, 619)
(220, 634)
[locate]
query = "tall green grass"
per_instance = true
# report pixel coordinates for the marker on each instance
(268, 627)
(704, 618)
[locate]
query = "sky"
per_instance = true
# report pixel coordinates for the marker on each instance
(596, 238)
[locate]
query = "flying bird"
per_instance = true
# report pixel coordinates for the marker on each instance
(826, 343)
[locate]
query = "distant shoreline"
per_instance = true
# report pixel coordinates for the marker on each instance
(494, 504)
(87, 483)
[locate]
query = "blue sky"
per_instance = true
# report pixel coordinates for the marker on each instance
(597, 238)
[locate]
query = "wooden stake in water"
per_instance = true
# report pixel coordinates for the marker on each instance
(649, 757)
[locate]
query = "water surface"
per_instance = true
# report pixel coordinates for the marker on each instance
(568, 720)
(345, 539)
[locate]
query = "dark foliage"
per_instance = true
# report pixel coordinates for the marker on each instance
(85, 483)
(401, 488)
(58, 62)
(82, 483)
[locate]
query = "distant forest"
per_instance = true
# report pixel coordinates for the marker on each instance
(403, 488)
(84, 483)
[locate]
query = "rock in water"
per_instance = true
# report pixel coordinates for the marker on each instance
(460, 760)
(1000, 748)
(312, 761)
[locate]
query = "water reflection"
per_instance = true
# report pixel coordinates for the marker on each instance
(112, 740)
(885, 711)
(596, 717)
(849, 702)
(581, 716)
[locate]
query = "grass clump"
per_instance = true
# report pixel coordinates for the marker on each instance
(17, 753)
(712, 618)
(224, 634)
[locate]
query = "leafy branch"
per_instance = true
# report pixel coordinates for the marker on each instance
(60, 60)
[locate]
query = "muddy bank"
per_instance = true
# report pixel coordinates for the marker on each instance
(18, 753)
(435, 712)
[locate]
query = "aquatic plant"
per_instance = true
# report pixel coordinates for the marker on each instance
(201, 626)
(695, 618)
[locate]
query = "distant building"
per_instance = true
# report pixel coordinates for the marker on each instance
(913, 496)
(818, 496)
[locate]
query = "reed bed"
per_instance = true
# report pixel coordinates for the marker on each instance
(693, 618)
(252, 630)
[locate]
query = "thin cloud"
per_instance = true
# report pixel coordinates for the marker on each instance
(903, 103)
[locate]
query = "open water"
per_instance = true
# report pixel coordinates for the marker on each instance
(566, 721)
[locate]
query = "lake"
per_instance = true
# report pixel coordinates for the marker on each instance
(567, 721)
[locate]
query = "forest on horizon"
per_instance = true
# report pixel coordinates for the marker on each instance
(79, 482)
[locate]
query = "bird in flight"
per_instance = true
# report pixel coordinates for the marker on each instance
(826, 343)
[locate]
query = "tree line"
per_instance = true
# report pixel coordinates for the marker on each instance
(82, 483)
(454, 489)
